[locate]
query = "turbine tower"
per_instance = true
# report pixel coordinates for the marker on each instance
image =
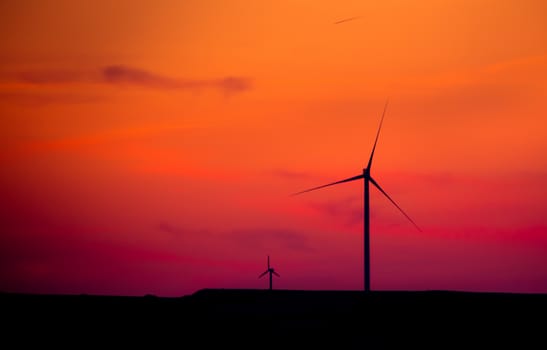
(271, 271)
(367, 179)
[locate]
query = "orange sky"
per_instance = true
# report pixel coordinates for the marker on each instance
(162, 138)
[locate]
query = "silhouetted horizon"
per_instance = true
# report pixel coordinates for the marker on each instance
(282, 290)
(312, 318)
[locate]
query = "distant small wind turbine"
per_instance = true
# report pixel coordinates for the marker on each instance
(366, 223)
(271, 271)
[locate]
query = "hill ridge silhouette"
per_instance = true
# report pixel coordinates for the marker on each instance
(343, 319)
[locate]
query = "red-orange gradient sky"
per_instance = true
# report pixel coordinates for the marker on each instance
(151, 146)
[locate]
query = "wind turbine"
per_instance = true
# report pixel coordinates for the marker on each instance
(367, 179)
(271, 271)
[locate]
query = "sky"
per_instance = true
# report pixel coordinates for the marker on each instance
(152, 147)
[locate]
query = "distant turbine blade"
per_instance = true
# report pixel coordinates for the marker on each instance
(275, 273)
(331, 184)
(377, 134)
(265, 272)
(392, 201)
(268, 262)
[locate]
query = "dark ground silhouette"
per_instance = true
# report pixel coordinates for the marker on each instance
(279, 319)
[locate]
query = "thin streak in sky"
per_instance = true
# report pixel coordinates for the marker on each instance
(347, 20)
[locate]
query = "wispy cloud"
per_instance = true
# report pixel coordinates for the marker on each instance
(261, 238)
(269, 238)
(120, 74)
(169, 228)
(128, 76)
(347, 210)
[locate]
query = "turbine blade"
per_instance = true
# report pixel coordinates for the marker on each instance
(331, 184)
(265, 272)
(392, 201)
(377, 135)
(268, 262)
(275, 273)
